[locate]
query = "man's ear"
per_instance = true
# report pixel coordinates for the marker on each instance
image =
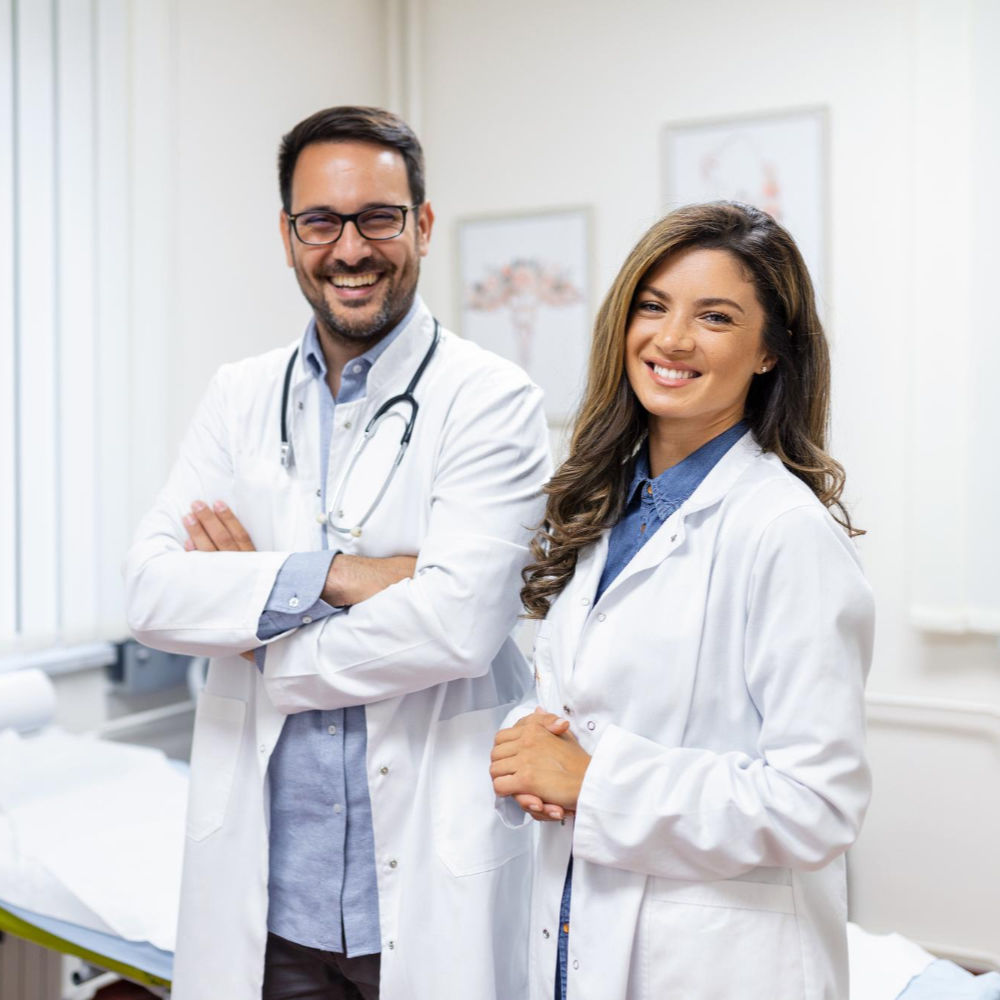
(286, 237)
(425, 223)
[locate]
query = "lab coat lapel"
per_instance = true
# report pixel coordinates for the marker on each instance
(670, 535)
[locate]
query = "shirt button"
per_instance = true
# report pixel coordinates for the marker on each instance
(602, 617)
(293, 602)
(332, 730)
(591, 725)
(394, 863)
(357, 369)
(338, 808)
(545, 934)
(383, 770)
(306, 620)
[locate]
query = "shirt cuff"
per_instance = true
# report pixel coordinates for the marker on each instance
(295, 597)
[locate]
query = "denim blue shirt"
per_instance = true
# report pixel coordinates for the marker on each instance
(650, 502)
(322, 887)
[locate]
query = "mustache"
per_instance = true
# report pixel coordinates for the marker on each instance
(365, 266)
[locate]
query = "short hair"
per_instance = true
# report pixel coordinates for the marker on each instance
(350, 123)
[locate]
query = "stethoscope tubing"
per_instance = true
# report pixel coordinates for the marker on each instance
(406, 396)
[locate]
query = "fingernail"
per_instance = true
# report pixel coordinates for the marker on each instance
(197, 505)
(220, 506)
(188, 520)
(535, 809)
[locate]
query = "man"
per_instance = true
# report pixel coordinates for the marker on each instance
(342, 840)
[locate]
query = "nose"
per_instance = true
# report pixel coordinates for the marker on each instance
(673, 334)
(352, 247)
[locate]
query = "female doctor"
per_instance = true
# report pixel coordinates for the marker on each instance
(705, 638)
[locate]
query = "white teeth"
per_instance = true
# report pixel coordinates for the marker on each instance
(673, 373)
(354, 280)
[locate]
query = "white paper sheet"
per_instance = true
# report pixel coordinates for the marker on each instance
(92, 832)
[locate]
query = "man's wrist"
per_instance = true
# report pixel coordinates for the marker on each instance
(333, 589)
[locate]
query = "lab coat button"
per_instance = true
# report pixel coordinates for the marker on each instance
(332, 730)
(673, 538)
(545, 934)
(390, 945)
(321, 518)
(393, 863)
(319, 493)
(383, 770)
(591, 725)
(576, 964)
(602, 617)
(263, 748)
(567, 710)
(301, 405)
(293, 602)
(585, 601)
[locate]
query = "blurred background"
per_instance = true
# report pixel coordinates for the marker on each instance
(139, 249)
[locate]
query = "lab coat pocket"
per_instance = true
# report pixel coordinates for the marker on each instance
(469, 835)
(717, 940)
(218, 734)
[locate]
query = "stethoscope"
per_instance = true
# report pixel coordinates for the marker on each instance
(405, 397)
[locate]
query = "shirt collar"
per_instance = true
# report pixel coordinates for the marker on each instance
(313, 353)
(674, 485)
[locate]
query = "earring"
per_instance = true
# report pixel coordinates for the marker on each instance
(763, 370)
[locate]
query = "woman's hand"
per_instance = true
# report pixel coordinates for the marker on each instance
(540, 763)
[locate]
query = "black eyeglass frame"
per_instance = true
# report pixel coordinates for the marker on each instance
(344, 219)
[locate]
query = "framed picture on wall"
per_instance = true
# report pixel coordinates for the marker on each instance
(524, 287)
(776, 162)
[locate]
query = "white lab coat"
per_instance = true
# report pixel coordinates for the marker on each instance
(427, 656)
(718, 684)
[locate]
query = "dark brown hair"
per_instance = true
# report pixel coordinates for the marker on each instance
(349, 123)
(787, 409)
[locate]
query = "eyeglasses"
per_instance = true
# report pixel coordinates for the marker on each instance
(323, 228)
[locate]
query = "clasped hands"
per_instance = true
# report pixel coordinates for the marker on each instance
(539, 763)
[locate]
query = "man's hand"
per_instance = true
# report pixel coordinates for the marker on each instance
(353, 579)
(541, 764)
(215, 529)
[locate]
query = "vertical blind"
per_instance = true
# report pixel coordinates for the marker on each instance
(64, 281)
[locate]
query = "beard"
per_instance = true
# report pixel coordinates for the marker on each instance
(397, 297)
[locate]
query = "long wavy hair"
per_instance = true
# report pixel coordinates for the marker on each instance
(787, 408)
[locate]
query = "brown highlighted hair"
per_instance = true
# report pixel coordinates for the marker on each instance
(787, 408)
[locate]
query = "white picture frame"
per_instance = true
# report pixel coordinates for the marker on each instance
(776, 161)
(524, 285)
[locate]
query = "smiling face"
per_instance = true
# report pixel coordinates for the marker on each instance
(359, 289)
(693, 344)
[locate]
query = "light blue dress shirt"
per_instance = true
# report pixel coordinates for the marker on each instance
(322, 887)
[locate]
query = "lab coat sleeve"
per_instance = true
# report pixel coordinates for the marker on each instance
(450, 620)
(200, 603)
(689, 813)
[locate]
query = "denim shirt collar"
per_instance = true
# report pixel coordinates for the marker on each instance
(674, 485)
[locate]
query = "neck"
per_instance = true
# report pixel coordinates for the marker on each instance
(670, 445)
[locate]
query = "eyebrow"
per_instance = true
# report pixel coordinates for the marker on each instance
(333, 211)
(700, 303)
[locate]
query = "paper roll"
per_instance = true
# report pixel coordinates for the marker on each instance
(27, 700)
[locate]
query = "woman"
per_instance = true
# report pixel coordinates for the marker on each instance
(706, 635)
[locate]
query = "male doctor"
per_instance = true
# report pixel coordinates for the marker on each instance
(341, 835)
